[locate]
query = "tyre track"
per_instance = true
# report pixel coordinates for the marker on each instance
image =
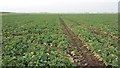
(83, 56)
(97, 32)
(100, 33)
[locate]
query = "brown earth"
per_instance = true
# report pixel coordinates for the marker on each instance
(78, 50)
(98, 32)
(101, 33)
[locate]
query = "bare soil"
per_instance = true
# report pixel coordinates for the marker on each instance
(80, 53)
(98, 32)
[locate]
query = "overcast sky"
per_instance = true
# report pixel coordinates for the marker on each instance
(59, 6)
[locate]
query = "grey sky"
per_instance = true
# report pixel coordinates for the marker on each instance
(59, 6)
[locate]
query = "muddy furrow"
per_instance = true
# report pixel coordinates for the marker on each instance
(83, 56)
(100, 33)
(97, 32)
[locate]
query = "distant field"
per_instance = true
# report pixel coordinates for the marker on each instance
(60, 39)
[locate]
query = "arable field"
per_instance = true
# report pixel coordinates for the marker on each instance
(60, 39)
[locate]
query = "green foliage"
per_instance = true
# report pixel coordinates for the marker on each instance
(103, 46)
(34, 40)
(38, 40)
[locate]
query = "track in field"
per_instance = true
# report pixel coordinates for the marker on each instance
(97, 32)
(83, 56)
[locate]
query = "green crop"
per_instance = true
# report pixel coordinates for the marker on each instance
(38, 39)
(30, 40)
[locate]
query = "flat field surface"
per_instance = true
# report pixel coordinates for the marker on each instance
(60, 39)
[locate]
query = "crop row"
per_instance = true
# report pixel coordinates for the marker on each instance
(97, 43)
(104, 22)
